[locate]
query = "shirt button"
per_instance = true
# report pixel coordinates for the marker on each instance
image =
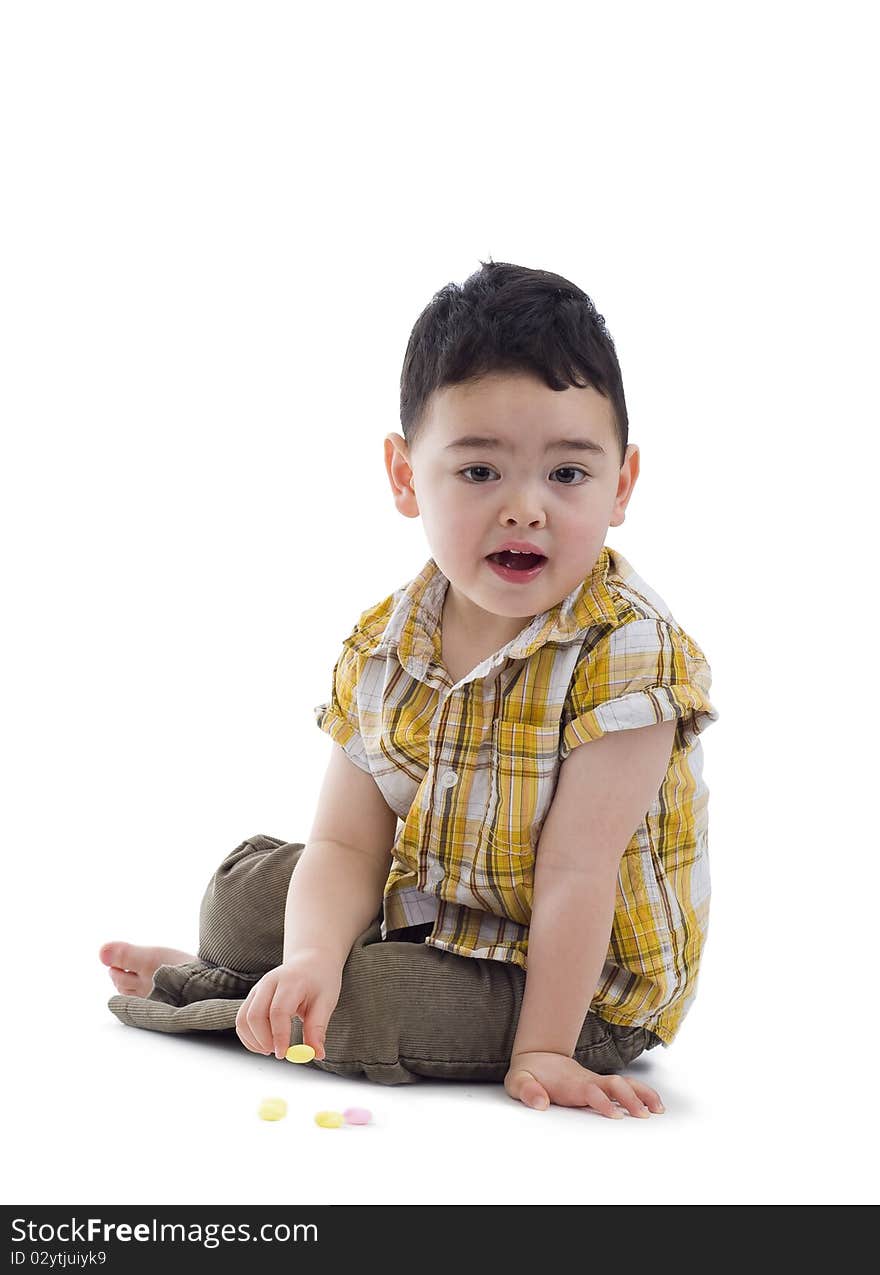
(450, 779)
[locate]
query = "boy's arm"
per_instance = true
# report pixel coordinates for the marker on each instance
(334, 893)
(337, 885)
(604, 789)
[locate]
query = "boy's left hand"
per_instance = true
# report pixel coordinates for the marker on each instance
(537, 1079)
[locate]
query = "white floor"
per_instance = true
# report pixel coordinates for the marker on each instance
(103, 1113)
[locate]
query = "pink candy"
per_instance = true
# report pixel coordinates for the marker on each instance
(357, 1115)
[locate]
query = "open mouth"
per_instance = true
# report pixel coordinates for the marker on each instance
(517, 561)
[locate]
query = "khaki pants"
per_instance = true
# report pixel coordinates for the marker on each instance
(406, 1010)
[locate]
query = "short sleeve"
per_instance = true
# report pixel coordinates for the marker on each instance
(339, 715)
(641, 673)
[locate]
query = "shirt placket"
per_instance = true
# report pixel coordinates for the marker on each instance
(450, 798)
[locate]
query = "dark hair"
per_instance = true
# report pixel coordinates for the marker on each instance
(507, 318)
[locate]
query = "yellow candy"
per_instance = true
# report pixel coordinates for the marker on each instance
(273, 1109)
(329, 1119)
(300, 1053)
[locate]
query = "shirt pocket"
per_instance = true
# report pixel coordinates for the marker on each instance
(525, 768)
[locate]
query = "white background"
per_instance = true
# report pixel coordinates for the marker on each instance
(220, 223)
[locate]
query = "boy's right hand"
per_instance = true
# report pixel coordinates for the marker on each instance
(305, 986)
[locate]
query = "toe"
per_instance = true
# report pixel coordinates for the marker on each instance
(116, 953)
(127, 983)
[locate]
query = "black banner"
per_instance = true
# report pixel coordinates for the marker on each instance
(196, 1238)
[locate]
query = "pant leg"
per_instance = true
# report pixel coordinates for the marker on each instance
(241, 930)
(406, 1011)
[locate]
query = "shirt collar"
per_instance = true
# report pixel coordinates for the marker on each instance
(413, 628)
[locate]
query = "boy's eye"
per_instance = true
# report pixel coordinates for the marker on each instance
(571, 469)
(563, 469)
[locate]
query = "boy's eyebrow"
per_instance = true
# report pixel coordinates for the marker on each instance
(559, 444)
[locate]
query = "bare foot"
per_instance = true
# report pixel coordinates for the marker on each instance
(132, 968)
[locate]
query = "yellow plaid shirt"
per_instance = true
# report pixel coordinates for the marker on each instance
(470, 769)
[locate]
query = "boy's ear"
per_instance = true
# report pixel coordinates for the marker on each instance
(400, 475)
(629, 472)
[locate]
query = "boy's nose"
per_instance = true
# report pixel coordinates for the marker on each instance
(524, 511)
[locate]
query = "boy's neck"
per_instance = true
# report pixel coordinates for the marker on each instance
(472, 626)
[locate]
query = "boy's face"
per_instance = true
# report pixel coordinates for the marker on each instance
(474, 498)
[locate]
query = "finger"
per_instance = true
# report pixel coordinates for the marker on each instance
(649, 1096)
(534, 1095)
(523, 1086)
(245, 1035)
(595, 1097)
(314, 1034)
(281, 1019)
(316, 1018)
(258, 1014)
(622, 1089)
(249, 1041)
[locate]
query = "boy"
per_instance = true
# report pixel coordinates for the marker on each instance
(527, 710)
